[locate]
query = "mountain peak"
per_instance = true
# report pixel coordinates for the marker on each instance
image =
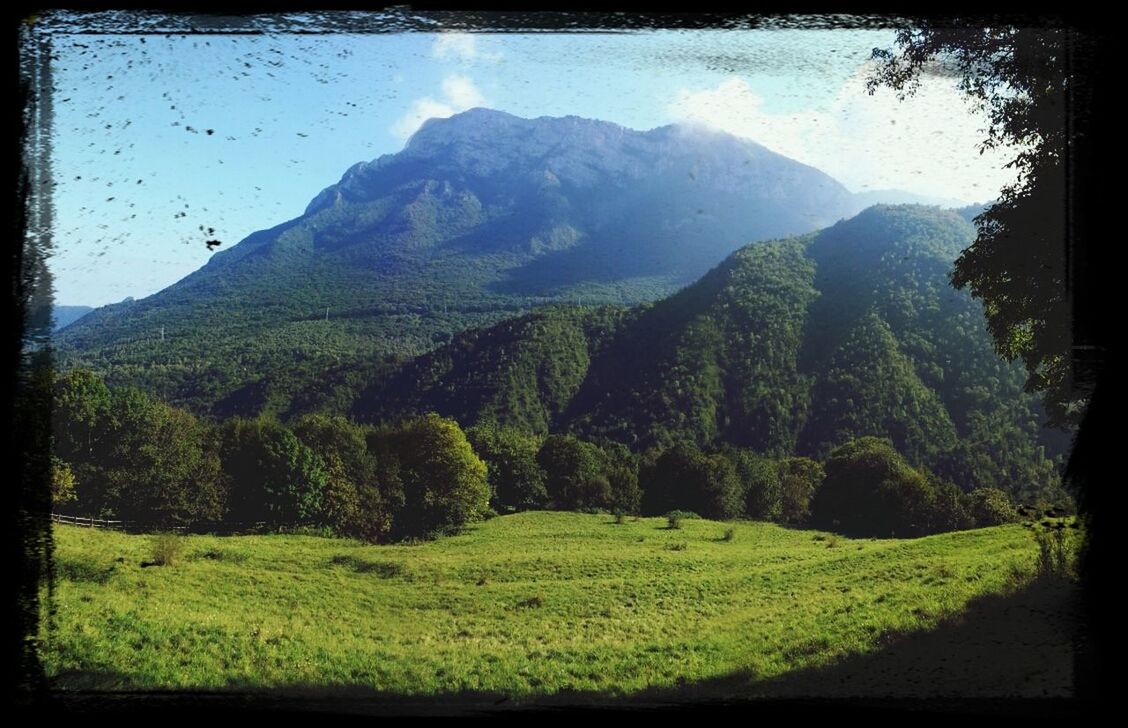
(473, 122)
(482, 124)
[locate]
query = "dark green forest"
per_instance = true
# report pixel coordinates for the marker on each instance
(121, 455)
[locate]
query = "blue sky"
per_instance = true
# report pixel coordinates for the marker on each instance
(142, 184)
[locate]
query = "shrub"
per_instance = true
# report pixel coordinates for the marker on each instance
(167, 548)
(674, 518)
(990, 507)
(677, 546)
(1055, 553)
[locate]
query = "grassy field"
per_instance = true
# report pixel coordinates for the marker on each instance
(527, 605)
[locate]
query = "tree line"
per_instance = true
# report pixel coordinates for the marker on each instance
(119, 453)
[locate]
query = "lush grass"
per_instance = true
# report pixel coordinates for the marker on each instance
(528, 604)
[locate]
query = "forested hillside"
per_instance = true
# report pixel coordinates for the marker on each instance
(788, 347)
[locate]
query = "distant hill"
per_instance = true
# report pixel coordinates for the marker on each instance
(869, 198)
(63, 316)
(481, 216)
(793, 346)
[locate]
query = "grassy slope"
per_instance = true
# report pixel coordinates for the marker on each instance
(620, 611)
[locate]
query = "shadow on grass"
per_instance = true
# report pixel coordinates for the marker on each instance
(995, 657)
(1020, 645)
(75, 570)
(382, 569)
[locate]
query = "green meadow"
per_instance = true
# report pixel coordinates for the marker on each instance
(526, 606)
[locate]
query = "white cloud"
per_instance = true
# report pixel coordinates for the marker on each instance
(927, 144)
(461, 47)
(458, 94)
(461, 92)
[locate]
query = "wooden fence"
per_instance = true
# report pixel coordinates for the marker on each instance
(90, 522)
(217, 527)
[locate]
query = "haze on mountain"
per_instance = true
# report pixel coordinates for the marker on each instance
(481, 216)
(63, 316)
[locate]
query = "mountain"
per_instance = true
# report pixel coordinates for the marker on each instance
(791, 346)
(63, 316)
(481, 216)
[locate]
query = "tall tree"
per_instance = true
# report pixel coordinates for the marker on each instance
(870, 490)
(167, 471)
(274, 477)
(569, 464)
(684, 478)
(444, 482)
(515, 477)
(352, 502)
